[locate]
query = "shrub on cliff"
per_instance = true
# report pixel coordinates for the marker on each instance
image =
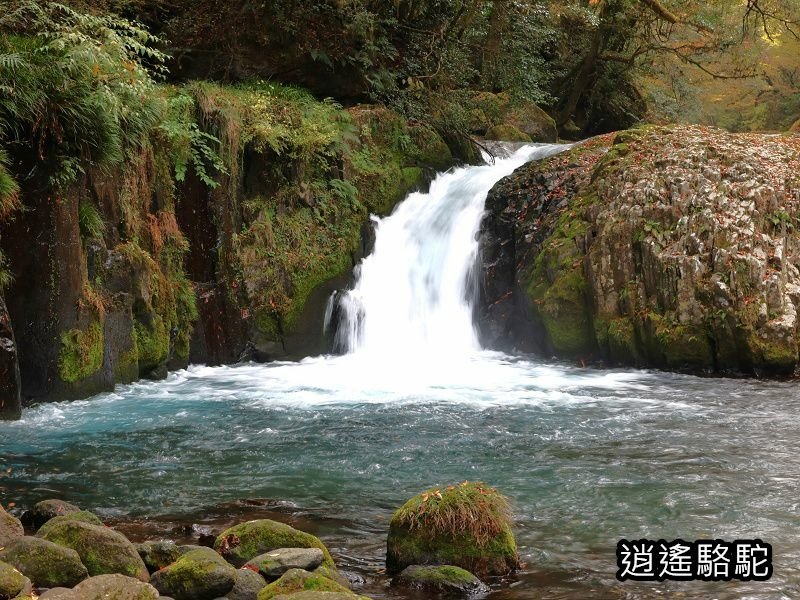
(467, 525)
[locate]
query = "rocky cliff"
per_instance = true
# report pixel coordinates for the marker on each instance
(226, 253)
(670, 247)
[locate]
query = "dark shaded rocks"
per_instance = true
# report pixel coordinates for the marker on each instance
(46, 564)
(10, 385)
(670, 247)
(45, 510)
(12, 582)
(245, 541)
(102, 550)
(158, 554)
(275, 563)
(10, 527)
(200, 574)
(444, 579)
(500, 117)
(247, 585)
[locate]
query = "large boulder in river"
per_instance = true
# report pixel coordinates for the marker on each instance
(45, 510)
(499, 116)
(200, 574)
(467, 525)
(246, 586)
(672, 247)
(275, 563)
(245, 541)
(103, 550)
(45, 563)
(10, 527)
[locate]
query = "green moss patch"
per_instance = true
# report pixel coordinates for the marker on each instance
(298, 580)
(81, 353)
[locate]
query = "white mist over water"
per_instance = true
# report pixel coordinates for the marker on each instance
(413, 295)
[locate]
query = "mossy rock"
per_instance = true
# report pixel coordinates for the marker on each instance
(506, 133)
(158, 554)
(12, 582)
(245, 541)
(298, 580)
(45, 510)
(533, 121)
(114, 587)
(84, 516)
(103, 550)
(10, 527)
(200, 574)
(311, 595)
(467, 525)
(444, 579)
(275, 563)
(46, 564)
(247, 585)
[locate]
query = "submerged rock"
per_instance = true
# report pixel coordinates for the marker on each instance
(102, 550)
(672, 247)
(444, 579)
(245, 541)
(47, 564)
(45, 510)
(467, 525)
(200, 574)
(275, 563)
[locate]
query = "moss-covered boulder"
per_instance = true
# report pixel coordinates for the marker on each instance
(275, 563)
(467, 525)
(246, 586)
(200, 574)
(102, 550)
(659, 246)
(45, 563)
(491, 110)
(84, 516)
(45, 510)
(298, 580)
(245, 541)
(506, 133)
(10, 527)
(443, 579)
(114, 587)
(313, 595)
(12, 582)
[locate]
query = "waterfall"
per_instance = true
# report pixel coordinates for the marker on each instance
(413, 295)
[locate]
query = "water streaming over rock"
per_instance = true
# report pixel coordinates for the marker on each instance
(413, 295)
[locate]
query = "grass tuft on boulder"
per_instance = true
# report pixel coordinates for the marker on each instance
(467, 525)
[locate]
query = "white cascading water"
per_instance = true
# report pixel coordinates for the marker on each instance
(413, 295)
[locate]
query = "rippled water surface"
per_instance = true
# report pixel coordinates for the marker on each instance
(586, 456)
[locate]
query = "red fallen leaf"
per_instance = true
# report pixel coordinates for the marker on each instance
(11, 504)
(251, 568)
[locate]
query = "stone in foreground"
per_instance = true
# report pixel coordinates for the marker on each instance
(103, 550)
(311, 595)
(45, 510)
(47, 564)
(298, 580)
(248, 585)
(114, 587)
(245, 541)
(466, 525)
(445, 579)
(275, 563)
(158, 554)
(12, 582)
(200, 574)
(10, 527)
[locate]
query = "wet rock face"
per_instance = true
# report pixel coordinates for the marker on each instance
(10, 393)
(669, 247)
